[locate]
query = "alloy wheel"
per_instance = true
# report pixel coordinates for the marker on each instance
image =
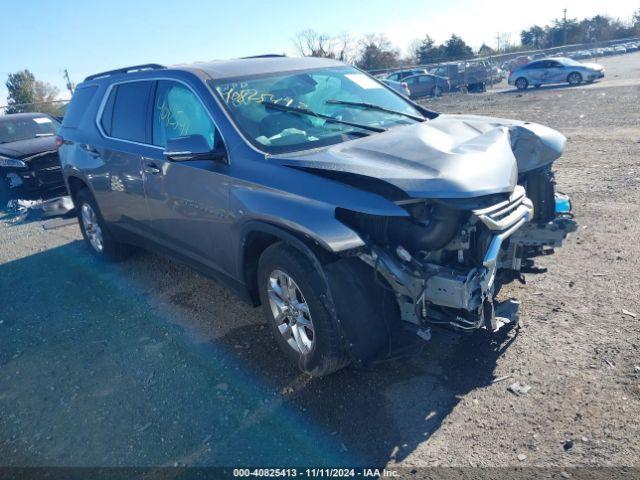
(290, 311)
(92, 227)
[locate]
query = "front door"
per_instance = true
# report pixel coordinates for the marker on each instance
(187, 200)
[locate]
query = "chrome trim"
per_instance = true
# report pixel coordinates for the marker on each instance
(517, 207)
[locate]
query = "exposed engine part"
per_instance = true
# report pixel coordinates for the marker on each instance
(429, 227)
(540, 186)
(452, 284)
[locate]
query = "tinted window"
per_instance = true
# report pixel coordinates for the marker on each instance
(177, 112)
(79, 106)
(424, 79)
(107, 114)
(130, 111)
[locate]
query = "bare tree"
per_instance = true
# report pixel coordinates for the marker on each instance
(310, 43)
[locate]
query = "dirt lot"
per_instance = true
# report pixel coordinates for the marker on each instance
(148, 363)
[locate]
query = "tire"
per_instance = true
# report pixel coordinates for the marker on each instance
(5, 192)
(522, 83)
(95, 230)
(317, 348)
(574, 78)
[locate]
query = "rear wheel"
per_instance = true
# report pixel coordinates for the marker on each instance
(291, 292)
(96, 231)
(522, 83)
(574, 78)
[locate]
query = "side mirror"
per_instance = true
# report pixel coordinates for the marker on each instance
(192, 147)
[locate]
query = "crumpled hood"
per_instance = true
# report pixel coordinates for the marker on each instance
(451, 156)
(27, 148)
(533, 145)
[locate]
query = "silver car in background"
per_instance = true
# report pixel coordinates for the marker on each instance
(555, 70)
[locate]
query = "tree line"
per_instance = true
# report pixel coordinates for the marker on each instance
(375, 51)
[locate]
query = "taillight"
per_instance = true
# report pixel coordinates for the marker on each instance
(59, 141)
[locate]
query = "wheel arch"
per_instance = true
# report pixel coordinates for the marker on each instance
(75, 184)
(256, 236)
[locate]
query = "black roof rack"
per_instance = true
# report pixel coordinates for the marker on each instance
(266, 55)
(134, 68)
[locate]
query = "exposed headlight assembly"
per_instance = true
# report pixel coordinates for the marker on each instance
(11, 162)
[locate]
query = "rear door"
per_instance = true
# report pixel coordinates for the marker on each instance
(123, 121)
(187, 200)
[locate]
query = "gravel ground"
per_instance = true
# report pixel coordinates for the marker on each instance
(148, 363)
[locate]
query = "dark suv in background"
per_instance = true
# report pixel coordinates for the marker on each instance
(29, 164)
(356, 217)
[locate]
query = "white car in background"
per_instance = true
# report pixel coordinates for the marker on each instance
(555, 70)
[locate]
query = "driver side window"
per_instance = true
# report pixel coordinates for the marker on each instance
(178, 112)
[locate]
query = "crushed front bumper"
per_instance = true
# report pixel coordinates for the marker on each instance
(457, 295)
(541, 238)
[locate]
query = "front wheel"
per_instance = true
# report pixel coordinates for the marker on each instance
(522, 83)
(291, 292)
(96, 231)
(574, 78)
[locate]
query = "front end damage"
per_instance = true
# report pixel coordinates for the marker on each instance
(474, 203)
(442, 263)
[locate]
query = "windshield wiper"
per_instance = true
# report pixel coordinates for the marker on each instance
(373, 106)
(311, 113)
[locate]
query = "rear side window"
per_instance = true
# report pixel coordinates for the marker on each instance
(79, 106)
(125, 112)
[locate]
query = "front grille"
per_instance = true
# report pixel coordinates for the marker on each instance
(508, 213)
(45, 167)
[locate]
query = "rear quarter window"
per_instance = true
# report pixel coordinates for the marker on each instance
(79, 106)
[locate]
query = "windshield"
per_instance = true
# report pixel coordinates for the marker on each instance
(333, 92)
(14, 130)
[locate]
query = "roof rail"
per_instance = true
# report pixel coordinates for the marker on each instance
(266, 55)
(134, 68)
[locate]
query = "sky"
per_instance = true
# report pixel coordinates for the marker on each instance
(89, 36)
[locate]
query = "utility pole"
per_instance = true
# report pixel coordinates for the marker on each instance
(564, 25)
(70, 85)
(498, 42)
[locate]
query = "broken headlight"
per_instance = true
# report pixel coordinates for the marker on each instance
(11, 162)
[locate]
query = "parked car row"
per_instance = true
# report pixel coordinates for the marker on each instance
(357, 218)
(522, 60)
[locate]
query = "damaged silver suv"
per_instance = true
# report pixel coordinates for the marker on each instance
(356, 218)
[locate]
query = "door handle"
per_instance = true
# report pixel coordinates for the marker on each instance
(90, 149)
(151, 167)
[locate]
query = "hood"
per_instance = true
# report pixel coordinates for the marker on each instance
(532, 144)
(29, 147)
(451, 156)
(592, 66)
